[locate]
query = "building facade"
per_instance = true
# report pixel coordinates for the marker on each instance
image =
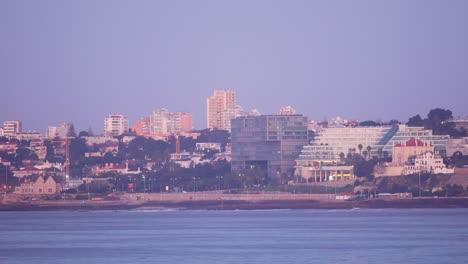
(455, 145)
(39, 186)
(52, 132)
(268, 142)
(413, 147)
(220, 108)
(142, 126)
(428, 162)
(461, 123)
(164, 122)
(115, 125)
(11, 128)
(287, 110)
(332, 142)
(63, 130)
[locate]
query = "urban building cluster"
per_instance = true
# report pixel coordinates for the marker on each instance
(280, 146)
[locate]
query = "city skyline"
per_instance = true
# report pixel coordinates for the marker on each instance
(376, 60)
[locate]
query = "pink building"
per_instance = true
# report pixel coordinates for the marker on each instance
(220, 107)
(142, 126)
(182, 122)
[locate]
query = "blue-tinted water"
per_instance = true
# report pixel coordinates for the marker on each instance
(283, 236)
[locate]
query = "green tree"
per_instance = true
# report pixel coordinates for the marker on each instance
(365, 153)
(71, 132)
(83, 134)
(78, 149)
(416, 121)
(342, 157)
(368, 123)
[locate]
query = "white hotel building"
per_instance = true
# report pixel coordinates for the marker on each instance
(115, 125)
(331, 142)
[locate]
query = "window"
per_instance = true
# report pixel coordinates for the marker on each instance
(49, 190)
(40, 190)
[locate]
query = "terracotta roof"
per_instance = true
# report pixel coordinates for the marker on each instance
(111, 144)
(8, 143)
(30, 168)
(412, 142)
(113, 167)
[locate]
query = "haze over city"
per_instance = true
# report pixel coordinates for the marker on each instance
(65, 61)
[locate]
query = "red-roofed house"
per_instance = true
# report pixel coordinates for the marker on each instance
(118, 168)
(8, 147)
(111, 167)
(28, 171)
(110, 146)
(5, 162)
(413, 147)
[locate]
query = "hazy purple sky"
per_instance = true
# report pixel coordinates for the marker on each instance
(81, 60)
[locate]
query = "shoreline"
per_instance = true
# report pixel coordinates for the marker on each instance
(238, 204)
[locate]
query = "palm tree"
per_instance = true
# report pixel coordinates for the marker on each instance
(364, 153)
(360, 148)
(342, 156)
(369, 151)
(379, 152)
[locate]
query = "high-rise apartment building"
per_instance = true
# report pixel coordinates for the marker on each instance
(52, 132)
(142, 126)
(158, 121)
(268, 143)
(164, 122)
(115, 125)
(180, 122)
(220, 108)
(11, 128)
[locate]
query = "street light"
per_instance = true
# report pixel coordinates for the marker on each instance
(196, 183)
(144, 184)
(219, 181)
(419, 183)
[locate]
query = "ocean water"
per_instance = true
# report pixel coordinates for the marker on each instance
(276, 236)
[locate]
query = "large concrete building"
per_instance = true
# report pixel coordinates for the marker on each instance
(115, 125)
(220, 108)
(11, 128)
(268, 142)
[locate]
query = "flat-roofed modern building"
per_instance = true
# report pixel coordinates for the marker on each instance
(329, 143)
(11, 128)
(115, 125)
(402, 133)
(268, 142)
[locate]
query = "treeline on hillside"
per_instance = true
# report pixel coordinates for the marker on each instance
(438, 120)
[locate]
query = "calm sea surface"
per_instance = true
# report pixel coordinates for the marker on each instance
(282, 236)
